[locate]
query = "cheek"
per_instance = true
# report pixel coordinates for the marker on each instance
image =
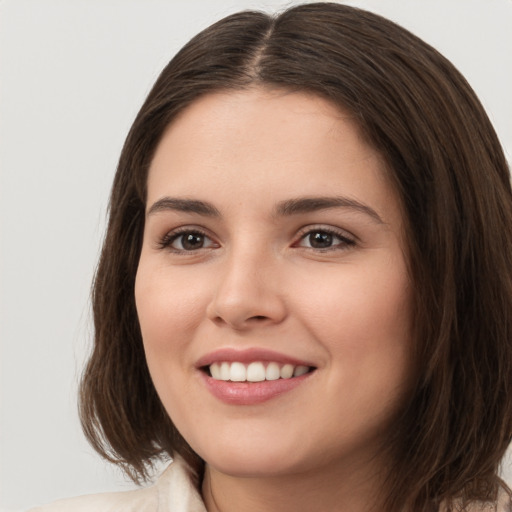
(167, 305)
(363, 320)
(169, 310)
(358, 302)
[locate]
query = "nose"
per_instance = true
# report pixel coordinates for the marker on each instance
(247, 293)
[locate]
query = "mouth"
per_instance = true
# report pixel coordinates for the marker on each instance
(252, 376)
(256, 371)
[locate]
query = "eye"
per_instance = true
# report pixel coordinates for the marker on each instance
(325, 239)
(187, 241)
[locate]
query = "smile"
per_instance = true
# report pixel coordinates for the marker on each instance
(257, 371)
(252, 376)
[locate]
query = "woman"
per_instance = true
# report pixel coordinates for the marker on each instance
(304, 293)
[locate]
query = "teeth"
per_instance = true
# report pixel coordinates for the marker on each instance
(255, 372)
(237, 372)
(300, 370)
(287, 371)
(215, 371)
(272, 372)
(224, 371)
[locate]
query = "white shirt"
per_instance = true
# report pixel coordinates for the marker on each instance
(173, 492)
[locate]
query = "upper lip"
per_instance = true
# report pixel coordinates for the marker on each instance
(248, 356)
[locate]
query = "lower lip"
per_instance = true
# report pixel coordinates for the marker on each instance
(251, 393)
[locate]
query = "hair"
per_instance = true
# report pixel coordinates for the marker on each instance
(446, 164)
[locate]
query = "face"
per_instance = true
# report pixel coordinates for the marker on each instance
(272, 289)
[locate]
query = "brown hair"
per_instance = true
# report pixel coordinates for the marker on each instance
(450, 173)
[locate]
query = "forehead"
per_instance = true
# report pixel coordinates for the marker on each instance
(259, 111)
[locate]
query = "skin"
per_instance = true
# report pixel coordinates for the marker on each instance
(256, 279)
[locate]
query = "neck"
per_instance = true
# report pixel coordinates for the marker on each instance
(322, 490)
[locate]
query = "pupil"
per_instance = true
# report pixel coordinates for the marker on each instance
(192, 241)
(321, 240)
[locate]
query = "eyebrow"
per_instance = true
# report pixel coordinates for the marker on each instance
(312, 204)
(184, 205)
(286, 208)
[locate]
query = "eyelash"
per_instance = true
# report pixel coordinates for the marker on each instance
(345, 241)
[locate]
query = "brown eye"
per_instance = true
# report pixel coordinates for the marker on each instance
(187, 241)
(320, 240)
(324, 239)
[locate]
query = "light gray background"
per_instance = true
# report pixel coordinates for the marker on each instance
(73, 75)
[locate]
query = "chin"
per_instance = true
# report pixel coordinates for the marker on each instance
(253, 460)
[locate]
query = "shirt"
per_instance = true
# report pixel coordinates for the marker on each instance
(172, 492)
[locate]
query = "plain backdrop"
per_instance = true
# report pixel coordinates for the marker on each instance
(73, 75)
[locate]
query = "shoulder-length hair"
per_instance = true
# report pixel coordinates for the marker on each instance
(449, 171)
